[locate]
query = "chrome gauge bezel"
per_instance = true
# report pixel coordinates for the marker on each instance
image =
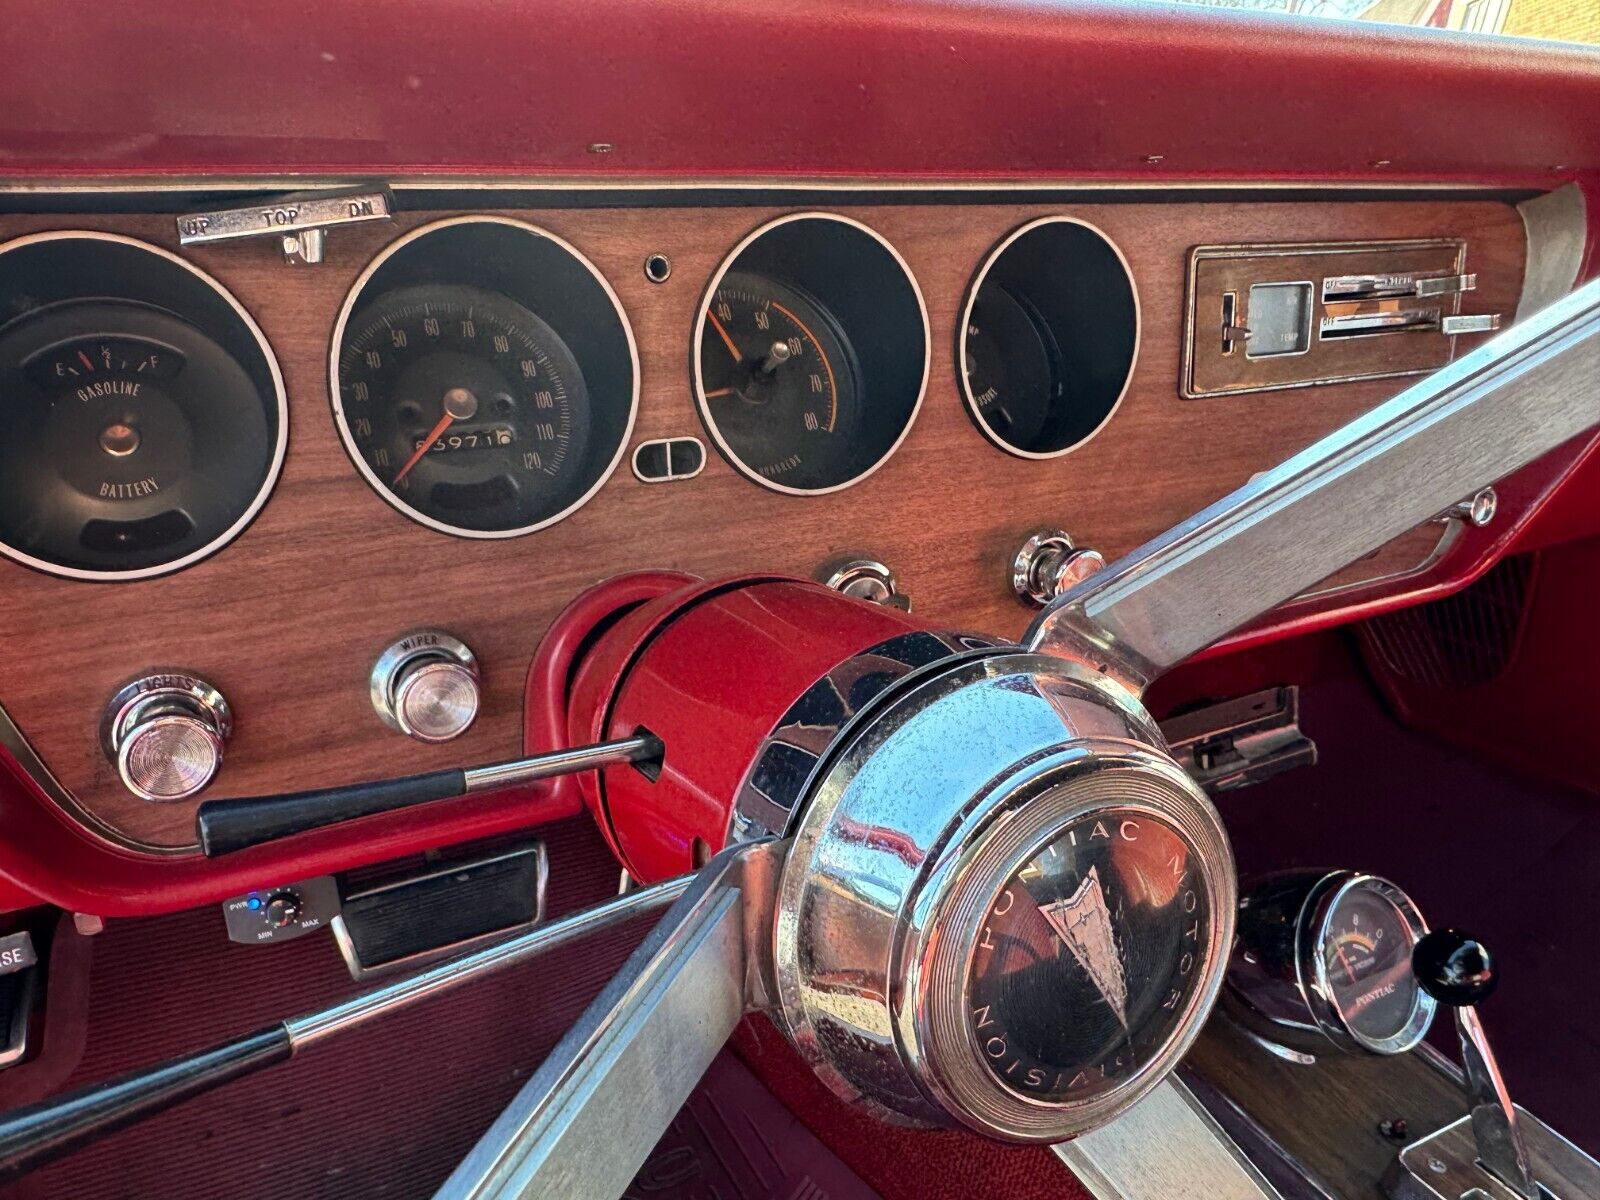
(1041, 801)
(1315, 929)
(703, 406)
(280, 397)
(974, 410)
(336, 399)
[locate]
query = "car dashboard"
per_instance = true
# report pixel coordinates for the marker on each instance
(316, 561)
(470, 482)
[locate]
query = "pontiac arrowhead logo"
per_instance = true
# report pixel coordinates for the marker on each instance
(1084, 927)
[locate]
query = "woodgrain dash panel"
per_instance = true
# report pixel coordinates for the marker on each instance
(288, 619)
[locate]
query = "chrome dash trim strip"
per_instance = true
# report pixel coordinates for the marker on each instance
(222, 185)
(15, 744)
(1557, 224)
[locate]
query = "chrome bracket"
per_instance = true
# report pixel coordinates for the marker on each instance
(298, 222)
(1243, 741)
(1446, 1166)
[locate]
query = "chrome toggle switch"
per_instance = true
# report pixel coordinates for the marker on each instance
(426, 686)
(1048, 564)
(164, 733)
(864, 579)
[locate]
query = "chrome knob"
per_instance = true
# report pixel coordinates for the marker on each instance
(282, 909)
(164, 733)
(1049, 564)
(1477, 510)
(426, 686)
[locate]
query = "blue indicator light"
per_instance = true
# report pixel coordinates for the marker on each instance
(255, 902)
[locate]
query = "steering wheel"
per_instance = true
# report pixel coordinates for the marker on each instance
(962, 874)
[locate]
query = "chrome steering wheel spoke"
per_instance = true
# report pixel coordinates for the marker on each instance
(1470, 424)
(585, 1122)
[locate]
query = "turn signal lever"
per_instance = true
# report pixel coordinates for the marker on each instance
(1455, 969)
(224, 826)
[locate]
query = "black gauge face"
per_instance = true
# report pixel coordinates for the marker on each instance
(465, 410)
(779, 384)
(1366, 957)
(1090, 958)
(1013, 367)
(130, 441)
(1049, 340)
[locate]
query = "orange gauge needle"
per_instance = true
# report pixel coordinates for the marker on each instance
(85, 360)
(444, 423)
(1346, 963)
(723, 334)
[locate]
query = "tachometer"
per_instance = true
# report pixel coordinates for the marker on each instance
(1365, 950)
(779, 382)
(810, 354)
(484, 380)
(1325, 957)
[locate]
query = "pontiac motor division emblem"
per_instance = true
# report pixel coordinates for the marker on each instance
(1084, 926)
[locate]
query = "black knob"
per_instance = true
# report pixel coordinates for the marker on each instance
(1454, 968)
(282, 909)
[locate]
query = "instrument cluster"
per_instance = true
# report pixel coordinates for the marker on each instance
(485, 378)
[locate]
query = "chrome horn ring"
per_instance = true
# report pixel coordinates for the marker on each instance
(924, 820)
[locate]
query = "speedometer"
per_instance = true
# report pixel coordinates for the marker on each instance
(484, 380)
(465, 407)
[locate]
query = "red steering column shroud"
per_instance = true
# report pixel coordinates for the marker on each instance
(707, 667)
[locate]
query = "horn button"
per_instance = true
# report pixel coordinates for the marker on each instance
(1002, 905)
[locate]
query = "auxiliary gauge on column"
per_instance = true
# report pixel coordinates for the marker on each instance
(1325, 957)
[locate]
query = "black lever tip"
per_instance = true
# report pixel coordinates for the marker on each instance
(1454, 968)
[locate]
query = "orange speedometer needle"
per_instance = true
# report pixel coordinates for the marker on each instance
(433, 436)
(1346, 963)
(723, 334)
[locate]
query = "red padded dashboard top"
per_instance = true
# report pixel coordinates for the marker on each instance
(951, 88)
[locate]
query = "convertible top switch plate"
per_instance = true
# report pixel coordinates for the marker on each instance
(299, 221)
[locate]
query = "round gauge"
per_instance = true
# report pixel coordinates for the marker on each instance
(140, 429)
(779, 382)
(1363, 965)
(488, 408)
(466, 406)
(1109, 925)
(810, 355)
(1048, 338)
